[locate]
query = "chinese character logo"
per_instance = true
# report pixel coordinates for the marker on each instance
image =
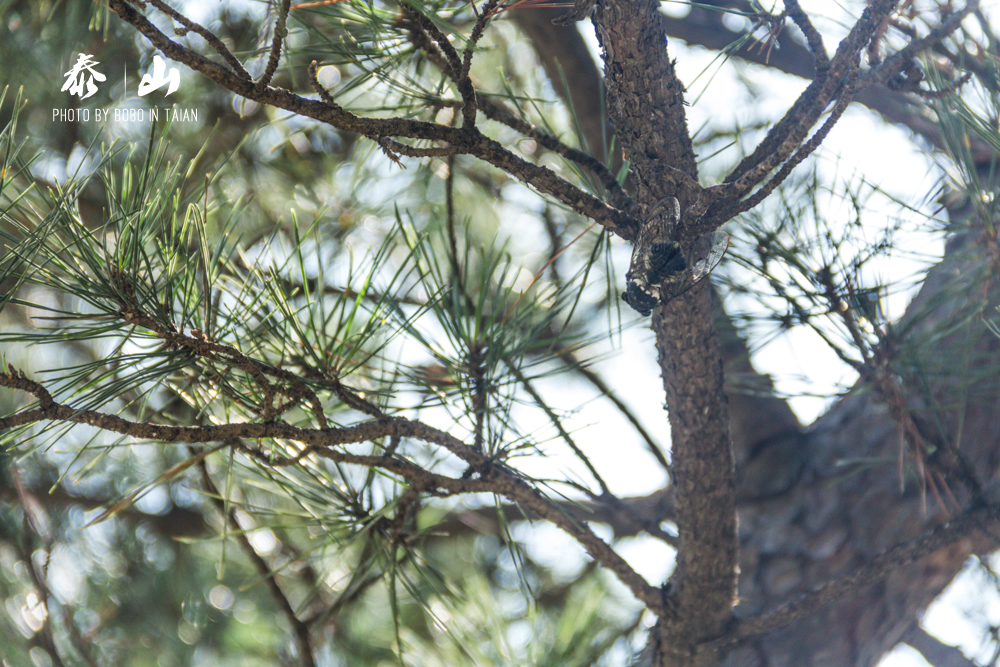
(78, 76)
(159, 78)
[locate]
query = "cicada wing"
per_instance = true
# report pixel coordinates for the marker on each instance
(671, 209)
(706, 253)
(702, 256)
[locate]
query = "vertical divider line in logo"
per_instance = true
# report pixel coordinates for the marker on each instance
(125, 82)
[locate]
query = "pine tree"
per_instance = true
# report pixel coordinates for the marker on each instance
(296, 382)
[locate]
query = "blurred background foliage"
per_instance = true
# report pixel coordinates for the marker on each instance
(295, 220)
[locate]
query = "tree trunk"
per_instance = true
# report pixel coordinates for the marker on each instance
(816, 504)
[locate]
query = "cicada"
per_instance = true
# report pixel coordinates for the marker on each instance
(660, 269)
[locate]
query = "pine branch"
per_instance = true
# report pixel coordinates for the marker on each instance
(491, 477)
(934, 651)
(280, 31)
(299, 627)
(466, 140)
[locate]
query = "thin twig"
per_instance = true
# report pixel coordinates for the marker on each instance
(207, 35)
(279, 34)
(479, 392)
(801, 154)
(813, 38)
(323, 93)
(469, 111)
(594, 379)
(493, 476)
(456, 71)
(466, 140)
(497, 112)
(300, 628)
(788, 134)
(391, 146)
(896, 63)
(557, 423)
(616, 192)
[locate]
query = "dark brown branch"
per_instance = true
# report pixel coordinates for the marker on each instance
(465, 140)
(813, 38)
(391, 147)
(451, 223)
(644, 91)
(201, 346)
(346, 395)
(641, 511)
(476, 371)
(704, 27)
(934, 651)
(619, 197)
(647, 98)
(323, 93)
(900, 60)
(494, 477)
(429, 28)
(801, 154)
(754, 417)
(545, 180)
(704, 478)
(275, 55)
(431, 483)
(207, 35)
(49, 410)
(458, 72)
(492, 480)
(789, 133)
(471, 100)
(496, 111)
